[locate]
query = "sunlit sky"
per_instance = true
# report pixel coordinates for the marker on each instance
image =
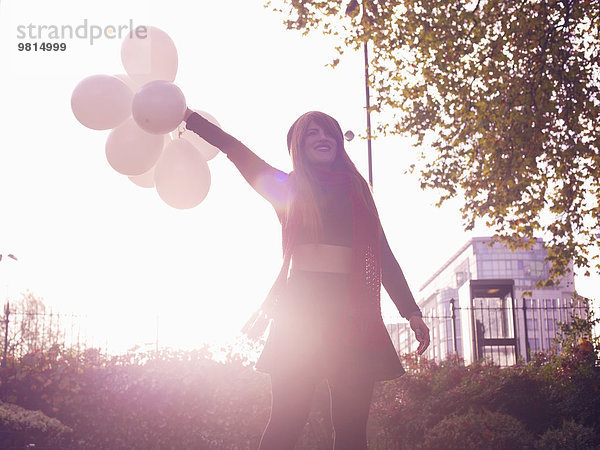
(92, 243)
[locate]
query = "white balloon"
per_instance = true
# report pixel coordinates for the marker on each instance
(209, 151)
(101, 102)
(149, 54)
(158, 107)
(182, 176)
(146, 180)
(132, 151)
(129, 82)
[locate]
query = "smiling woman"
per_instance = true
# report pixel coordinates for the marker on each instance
(325, 312)
(320, 147)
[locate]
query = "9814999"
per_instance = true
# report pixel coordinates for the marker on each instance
(41, 46)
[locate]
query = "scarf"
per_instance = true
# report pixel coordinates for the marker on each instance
(360, 323)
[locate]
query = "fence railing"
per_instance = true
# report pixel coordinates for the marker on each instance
(536, 324)
(26, 331)
(496, 335)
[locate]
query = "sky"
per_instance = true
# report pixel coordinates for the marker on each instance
(90, 242)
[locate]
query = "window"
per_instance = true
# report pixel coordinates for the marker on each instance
(534, 344)
(532, 324)
(551, 325)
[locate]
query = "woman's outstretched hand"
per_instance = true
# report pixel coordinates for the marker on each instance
(421, 333)
(188, 113)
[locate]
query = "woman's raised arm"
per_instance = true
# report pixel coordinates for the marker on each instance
(269, 182)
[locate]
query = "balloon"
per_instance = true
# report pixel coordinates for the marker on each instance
(158, 107)
(181, 175)
(129, 82)
(208, 151)
(132, 151)
(146, 180)
(101, 102)
(149, 55)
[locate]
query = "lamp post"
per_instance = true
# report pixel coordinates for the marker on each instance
(368, 105)
(352, 11)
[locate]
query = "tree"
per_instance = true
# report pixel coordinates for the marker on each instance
(505, 94)
(31, 327)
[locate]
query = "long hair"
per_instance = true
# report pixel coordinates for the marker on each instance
(303, 207)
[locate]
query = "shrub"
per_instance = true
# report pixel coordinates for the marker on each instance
(188, 400)
(20, 427)
(477, 430)
(571, 436)
(539, 396)
(167, 400)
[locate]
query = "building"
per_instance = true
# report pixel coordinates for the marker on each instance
(483, 303)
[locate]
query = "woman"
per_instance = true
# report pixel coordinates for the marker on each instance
(325, 304)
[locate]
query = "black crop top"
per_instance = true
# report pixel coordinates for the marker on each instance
(335, 210)
(334, 205)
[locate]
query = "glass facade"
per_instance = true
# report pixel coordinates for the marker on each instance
(525, 267)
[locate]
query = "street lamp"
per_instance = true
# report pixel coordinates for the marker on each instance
(368, 104)
(352, 10)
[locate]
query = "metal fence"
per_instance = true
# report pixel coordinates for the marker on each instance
(501, 335)
(28, 328)
(540, 320)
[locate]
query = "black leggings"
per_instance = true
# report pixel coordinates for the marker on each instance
(292, 394)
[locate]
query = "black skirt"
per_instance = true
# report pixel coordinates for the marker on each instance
(300, 336)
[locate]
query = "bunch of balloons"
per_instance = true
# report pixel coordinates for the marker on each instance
(148, 142)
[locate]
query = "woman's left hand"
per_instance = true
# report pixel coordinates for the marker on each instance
(421, 333)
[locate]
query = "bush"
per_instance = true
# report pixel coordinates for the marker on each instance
(572, 436)
(539, 396)
(477, 430)
(188, 400)
(169, 400)
(20, 427)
